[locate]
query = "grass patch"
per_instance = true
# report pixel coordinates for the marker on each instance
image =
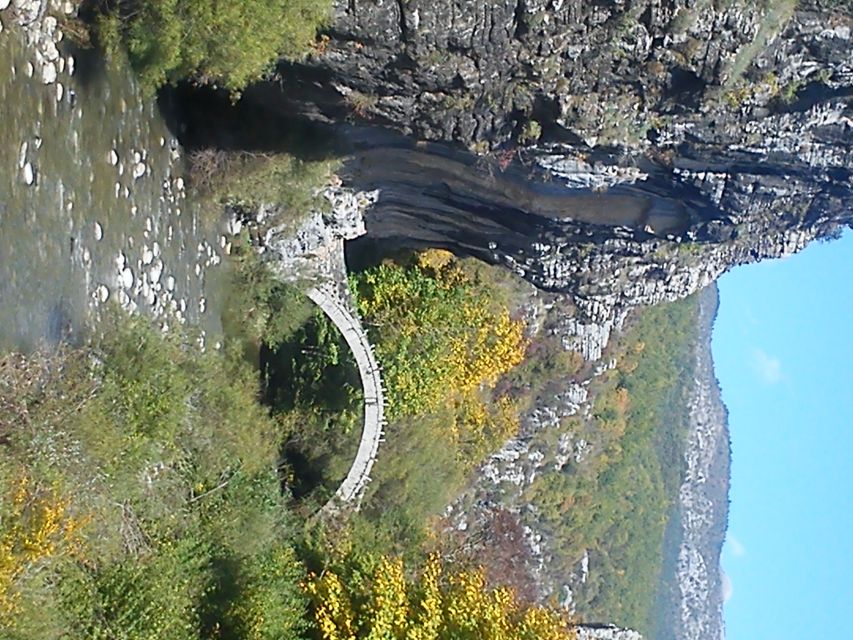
(776, 15)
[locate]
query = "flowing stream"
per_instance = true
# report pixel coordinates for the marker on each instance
(93, 206)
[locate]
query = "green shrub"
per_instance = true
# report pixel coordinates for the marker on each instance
(151, 474)
(262, 307)
(228, 44)
(250, 180)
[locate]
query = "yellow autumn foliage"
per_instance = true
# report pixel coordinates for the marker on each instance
(438, 333)
(434, 606)
(35, 528)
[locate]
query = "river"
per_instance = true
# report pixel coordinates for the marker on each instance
(94, 209)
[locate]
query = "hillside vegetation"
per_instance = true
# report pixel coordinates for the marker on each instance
(142, 498)
(615, 502)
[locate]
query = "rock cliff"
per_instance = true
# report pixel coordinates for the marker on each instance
(624, 151)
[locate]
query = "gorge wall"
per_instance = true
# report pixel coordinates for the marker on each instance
(624, 152)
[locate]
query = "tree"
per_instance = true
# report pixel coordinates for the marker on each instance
(436, 331)
(229, 44)
(434, 606)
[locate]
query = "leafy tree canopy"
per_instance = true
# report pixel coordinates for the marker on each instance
(437, 605)
(229, 44)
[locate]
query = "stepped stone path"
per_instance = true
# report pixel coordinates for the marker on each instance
(334, 298)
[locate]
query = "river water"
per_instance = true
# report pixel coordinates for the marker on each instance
(93, 206)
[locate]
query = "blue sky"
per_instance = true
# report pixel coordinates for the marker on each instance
(783, 350)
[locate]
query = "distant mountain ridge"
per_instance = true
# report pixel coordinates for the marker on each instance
(698, 592)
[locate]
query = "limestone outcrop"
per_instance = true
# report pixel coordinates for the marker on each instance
(624, 152)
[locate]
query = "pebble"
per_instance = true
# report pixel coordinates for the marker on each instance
(99, 231)
(112, 157)
(29, 70)
(138, 170)
(155, 272)
(29, 174)
(69, 62)
(22, 155)
(103, 293)
(202, 305)
(48, 73)
(87, 257)
(60, 91)
(170, 283)
(49, 25)
(38, 142)
(155, 248)
(147, 255)
(126, 278)
(133, 210)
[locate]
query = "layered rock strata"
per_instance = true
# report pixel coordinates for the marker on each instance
(624, 152)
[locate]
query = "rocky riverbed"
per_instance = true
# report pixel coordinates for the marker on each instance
(94, 208)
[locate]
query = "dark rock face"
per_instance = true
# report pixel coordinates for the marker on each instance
(623, 152)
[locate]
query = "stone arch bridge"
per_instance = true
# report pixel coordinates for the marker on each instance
(333, 296)
(316, 251)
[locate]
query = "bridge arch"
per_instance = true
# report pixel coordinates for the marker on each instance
(335, 301)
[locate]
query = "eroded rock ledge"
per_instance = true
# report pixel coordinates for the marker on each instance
(625, 153)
